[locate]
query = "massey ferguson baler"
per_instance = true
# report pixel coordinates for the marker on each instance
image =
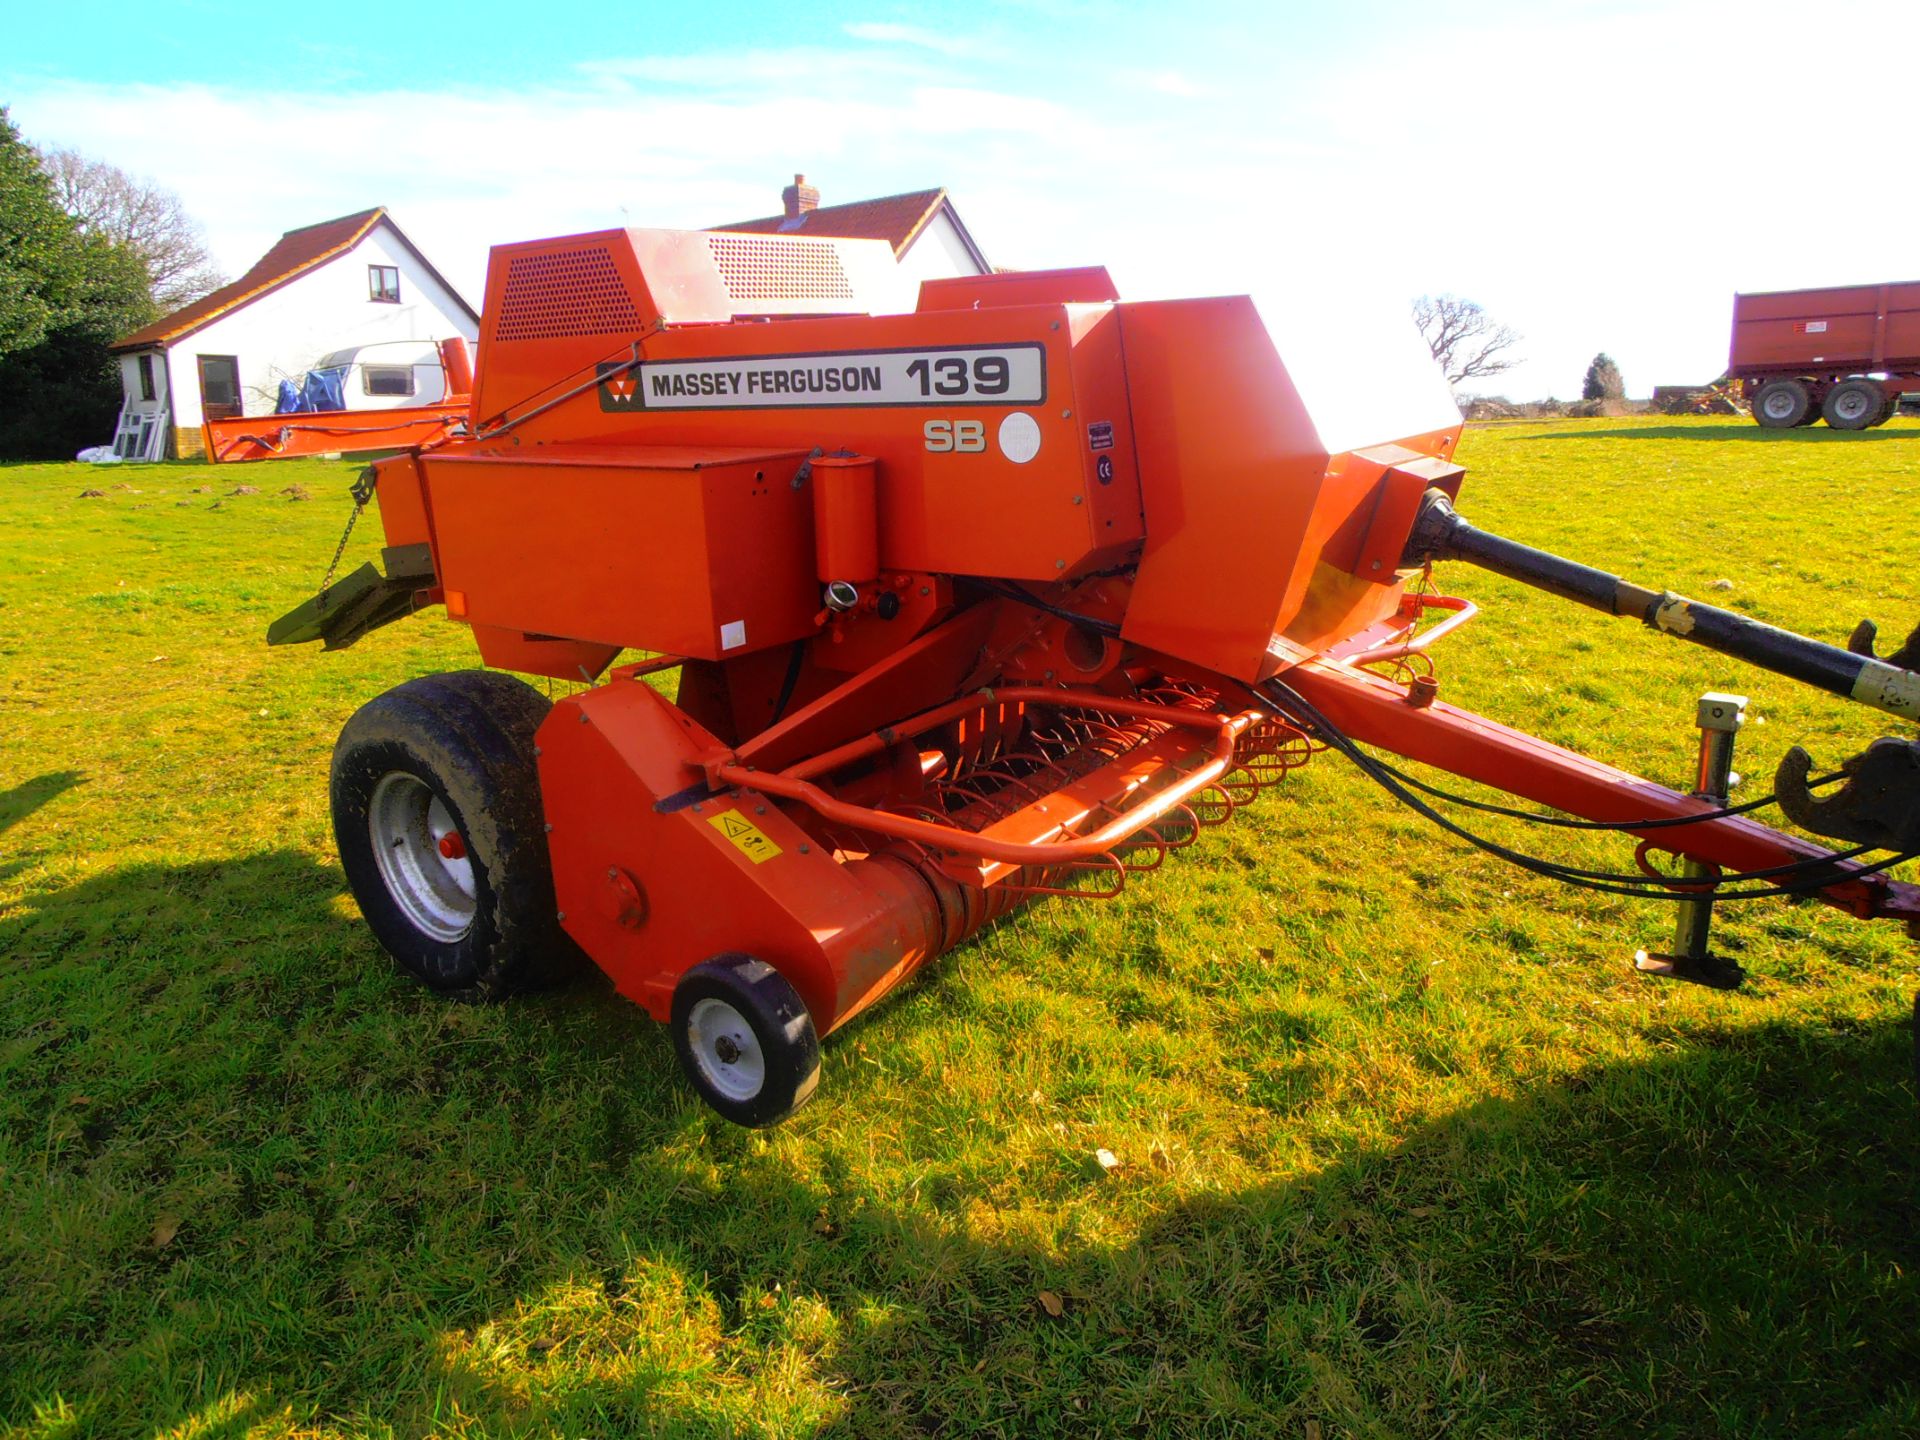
(1009, 595)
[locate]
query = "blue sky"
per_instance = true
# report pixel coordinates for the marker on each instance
(1599, 175)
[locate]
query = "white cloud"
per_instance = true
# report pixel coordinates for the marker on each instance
(461, 172)
(1172, 82)
(1598, 182)
(883, 33)
(801, 69)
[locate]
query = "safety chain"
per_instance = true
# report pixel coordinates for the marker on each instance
(362, 492)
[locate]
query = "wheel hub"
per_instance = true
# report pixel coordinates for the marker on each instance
(726, 1050)
(422, 856)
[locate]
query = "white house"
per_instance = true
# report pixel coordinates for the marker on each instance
(929, 242)
(352, 293)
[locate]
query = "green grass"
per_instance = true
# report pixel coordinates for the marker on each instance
(1407, 1149)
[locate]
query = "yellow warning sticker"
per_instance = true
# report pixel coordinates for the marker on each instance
(748, 838)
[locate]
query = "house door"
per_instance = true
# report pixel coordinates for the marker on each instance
(219, 387)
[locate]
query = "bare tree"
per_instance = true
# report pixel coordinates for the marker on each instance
(1465, 340)
(140, 214)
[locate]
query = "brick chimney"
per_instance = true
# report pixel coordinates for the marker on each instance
(799, 197)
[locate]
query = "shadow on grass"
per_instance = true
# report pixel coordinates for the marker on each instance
(1810, 435)
(29, 795)
(384, 1213)
(1696, 1245)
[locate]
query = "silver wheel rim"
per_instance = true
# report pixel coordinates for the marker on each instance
(407, 822)
(726, 1050)
(1852, 405)
(1779, 405)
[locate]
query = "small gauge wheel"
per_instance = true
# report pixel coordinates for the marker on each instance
(745, 1039)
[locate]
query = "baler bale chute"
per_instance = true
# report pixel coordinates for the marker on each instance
(1009, 591)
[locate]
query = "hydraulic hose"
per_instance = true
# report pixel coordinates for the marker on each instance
(1440, 533)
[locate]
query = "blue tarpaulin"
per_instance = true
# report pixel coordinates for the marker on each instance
(317, 390)
(324, 390)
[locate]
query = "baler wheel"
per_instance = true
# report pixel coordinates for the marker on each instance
(745, 1039)
(437, 816)
(1782, 404)
(1853, 405)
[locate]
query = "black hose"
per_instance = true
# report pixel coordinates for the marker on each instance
(1534, 817)
(1006, 590)
(1820, 871)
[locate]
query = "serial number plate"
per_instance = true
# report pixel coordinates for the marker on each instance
(955, 375)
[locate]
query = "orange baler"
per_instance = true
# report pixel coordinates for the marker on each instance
(1002, 590)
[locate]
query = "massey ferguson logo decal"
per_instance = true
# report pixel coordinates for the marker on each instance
(951, 375)
(619, 390)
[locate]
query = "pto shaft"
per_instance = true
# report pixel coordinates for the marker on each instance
(1441, 534)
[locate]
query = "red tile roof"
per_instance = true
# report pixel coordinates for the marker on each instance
(295, 253)
(897, 219)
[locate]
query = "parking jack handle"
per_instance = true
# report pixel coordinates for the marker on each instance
(1720, 718)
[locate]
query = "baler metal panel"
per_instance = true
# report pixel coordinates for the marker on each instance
(1250, 521)
(946, 496)
(702, 553)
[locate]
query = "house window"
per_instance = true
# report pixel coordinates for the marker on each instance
(383, 283)
(387, 379)
(146, 377)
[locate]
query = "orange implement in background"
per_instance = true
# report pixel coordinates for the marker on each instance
(1002, 589)
(349, 432)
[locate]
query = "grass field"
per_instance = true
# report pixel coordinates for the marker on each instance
(1406, 1148)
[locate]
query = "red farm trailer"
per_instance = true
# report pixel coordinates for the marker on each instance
(1843, 354)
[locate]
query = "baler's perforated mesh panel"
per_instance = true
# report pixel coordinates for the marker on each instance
(754, 269)
(564, 292)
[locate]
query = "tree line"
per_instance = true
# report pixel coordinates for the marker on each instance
(87, 253)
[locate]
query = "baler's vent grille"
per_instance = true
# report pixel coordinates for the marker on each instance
(756, 269)
(564, 292)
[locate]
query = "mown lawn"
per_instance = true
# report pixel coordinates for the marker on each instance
(1406, 1147)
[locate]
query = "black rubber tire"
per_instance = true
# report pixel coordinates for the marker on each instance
(1890, 409)
(778, 1017)
(1853, 405)
(1782, 404)
(468, 737)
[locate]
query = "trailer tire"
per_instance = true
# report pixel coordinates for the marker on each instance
(745, 1039)
(1782, 404)
(1889, 410)
(437, 817)
(1853, 405)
